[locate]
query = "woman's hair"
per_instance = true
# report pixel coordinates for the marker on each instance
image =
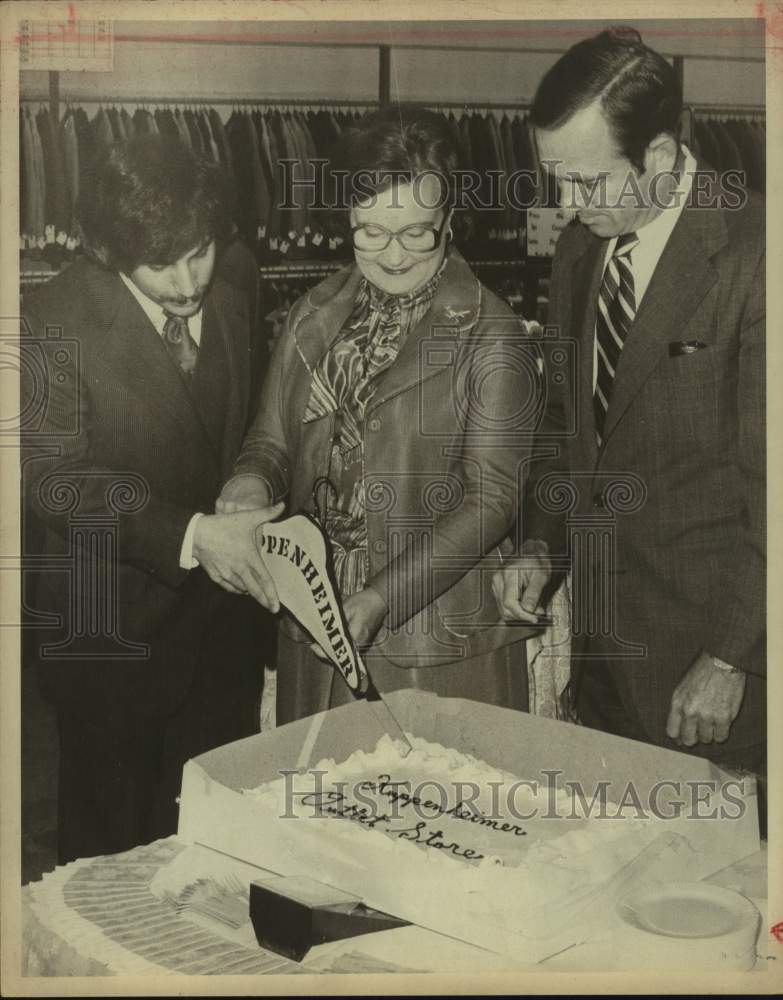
(151, 200)
(395, 145)
(639, 92)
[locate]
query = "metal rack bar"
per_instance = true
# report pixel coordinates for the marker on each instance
(273, 102)
(299, 102)
(521, 105)
(752, 109)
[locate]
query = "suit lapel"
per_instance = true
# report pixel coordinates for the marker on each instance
(454, 311)
(324, 313)
(134, 351)
(588, 272)
(682, 278)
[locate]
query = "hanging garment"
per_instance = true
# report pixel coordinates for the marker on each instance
(29, 190)
(193, 129)
(261, 193)
(247, 217)
(57, 218)
(70, 146)
(221, 138)
(182, 128)
(166, 123)
(116, 125)
(127, 124)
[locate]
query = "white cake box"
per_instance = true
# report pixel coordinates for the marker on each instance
(523, 913)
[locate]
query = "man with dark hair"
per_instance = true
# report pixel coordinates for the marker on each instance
(144, 404)
(659, 281)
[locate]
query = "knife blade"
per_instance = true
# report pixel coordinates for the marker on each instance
(387, 718)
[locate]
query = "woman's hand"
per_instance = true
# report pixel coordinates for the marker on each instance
(243, 492)
(364, 612)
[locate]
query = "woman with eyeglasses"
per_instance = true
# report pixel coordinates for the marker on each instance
(399, 408)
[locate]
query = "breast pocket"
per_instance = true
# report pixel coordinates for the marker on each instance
(697, 385)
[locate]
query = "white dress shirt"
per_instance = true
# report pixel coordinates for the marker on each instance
(157, 317)
(156, 314)
(652, 239)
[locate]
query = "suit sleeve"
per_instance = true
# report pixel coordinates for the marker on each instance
(265, 449)
(549, 454)
(737, 632)
(490, 466)
(60, 466)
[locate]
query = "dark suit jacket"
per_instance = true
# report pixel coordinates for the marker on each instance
(685, 433)
(114, 410)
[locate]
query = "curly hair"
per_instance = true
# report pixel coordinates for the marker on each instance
(151, 200)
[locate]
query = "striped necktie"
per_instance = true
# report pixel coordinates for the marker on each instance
(179, 342)
(616, 312)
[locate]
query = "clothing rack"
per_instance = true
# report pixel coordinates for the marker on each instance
(736, 110)
(276, 102)
(749, 110)
(384, 47)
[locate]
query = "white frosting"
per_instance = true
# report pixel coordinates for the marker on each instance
(507, 865)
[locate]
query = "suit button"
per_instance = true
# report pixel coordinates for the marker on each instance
(598, 501)
(379, 546)
(375, 424)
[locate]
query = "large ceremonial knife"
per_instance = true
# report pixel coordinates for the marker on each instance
(298, 556)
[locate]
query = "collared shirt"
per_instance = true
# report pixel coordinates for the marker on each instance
(157, 317)
(156, 314)
(653, 238)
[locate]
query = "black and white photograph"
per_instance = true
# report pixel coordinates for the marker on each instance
(386, 485)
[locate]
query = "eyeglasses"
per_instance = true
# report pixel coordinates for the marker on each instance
(417, 238)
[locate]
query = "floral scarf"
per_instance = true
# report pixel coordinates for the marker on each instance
(344, 383)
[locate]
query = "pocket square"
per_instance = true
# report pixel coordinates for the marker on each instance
(678, 347)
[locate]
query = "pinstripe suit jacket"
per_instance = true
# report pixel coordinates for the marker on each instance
(677, 489)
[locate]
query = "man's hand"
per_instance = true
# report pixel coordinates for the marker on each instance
(705, 703)
(225, 545)
(519, 585)
(364, 612)
(244, 492)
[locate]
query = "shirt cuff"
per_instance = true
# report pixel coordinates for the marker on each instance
(186, 560)
(722, 665)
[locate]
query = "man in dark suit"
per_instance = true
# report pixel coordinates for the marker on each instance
(659, 283)
(150, 360)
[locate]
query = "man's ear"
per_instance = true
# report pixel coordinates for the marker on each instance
(661, 153)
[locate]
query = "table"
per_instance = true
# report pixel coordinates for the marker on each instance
(127, 914)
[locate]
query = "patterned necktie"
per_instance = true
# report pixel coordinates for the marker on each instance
(179, 343)
(616, 311)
